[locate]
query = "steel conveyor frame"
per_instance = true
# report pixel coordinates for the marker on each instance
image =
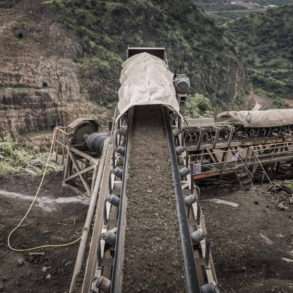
(119, 253)
(191, 281)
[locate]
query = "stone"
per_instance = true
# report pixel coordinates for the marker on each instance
(49, 277)
(282, 206)
(44, 269)
(27, 106)
(20, 261)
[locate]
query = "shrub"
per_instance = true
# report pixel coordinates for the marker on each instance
(198, 105)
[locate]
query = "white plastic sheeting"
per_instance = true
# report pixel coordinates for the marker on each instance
(266, 118)
(146, 80)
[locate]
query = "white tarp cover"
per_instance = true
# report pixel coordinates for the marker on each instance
(266, 118)
(146, 80)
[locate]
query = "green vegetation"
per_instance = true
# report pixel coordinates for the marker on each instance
(265, 42)
(16, 158)
(195, 44)
(197, 106)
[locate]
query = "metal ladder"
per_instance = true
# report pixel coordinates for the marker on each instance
(244, 177)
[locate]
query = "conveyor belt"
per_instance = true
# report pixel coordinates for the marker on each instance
(153, 252)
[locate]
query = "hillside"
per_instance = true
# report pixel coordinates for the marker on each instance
(61, 59)
(40, 85)
(195, 45)
(265, 42)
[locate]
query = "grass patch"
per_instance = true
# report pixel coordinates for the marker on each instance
(197, 106)
(16, 158)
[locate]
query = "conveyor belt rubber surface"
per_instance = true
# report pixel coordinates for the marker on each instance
(153, 259)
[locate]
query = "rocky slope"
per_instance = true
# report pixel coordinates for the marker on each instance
(60, 59)
(265, 42)
(195, 45)
(40, 83)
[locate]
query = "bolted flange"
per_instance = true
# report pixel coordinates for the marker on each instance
(190, 199)
(180, 150)
(209, 288)
(114, 200)
(184, 171)
(110, 237)
(198, 235)
(121, 150)
(118, 172)
(104, 284)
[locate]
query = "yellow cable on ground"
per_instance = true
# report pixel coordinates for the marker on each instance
(30, 208)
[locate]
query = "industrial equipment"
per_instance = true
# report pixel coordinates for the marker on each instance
(148, 229)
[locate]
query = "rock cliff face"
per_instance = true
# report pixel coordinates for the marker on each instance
(38, 93)
(40, 83)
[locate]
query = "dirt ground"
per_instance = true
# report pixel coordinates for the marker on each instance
(152, 232)
(253, 243)
(52, 271)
